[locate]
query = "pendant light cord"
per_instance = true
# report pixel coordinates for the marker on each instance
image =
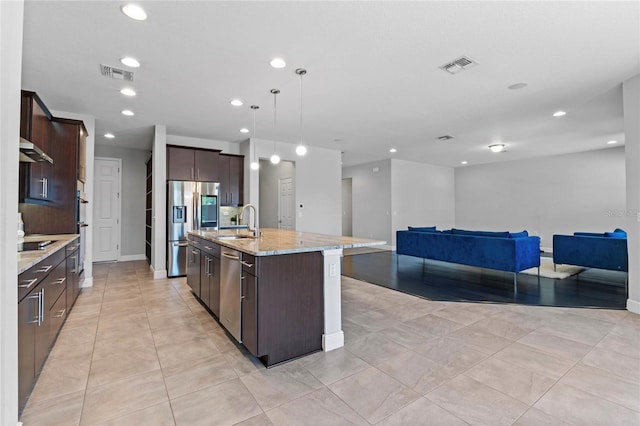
(301, 87)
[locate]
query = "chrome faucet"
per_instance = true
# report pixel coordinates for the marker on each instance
(255, 229)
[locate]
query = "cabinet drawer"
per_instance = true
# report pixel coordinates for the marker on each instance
(57, 315)
(196, 241)
(29, 279)
(250, 264)
(210, 248)
(55, 284)
(72, 246)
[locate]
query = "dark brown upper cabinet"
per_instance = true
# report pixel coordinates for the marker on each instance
(35, 127)
(192, 164)
(231, 172)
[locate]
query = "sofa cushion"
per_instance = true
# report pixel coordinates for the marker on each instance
(620, 235)
(518, 234)
(423, 228)
(620, 230)
(480, 233)
(587, 234)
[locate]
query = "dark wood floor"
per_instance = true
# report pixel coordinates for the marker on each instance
(446, 281)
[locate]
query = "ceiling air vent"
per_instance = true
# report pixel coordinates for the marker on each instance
(459, 65)
(116, 73)
(444, 138)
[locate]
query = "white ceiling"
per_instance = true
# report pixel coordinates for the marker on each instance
(373, 80)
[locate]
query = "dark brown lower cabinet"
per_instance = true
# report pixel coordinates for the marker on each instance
(210, 282)
(193, 268)
(57, 315)
(28, 310)
(250, 313)
(205, 266)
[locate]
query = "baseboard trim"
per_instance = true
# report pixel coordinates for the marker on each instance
(633, 306)
(332, 341)
(132, 257)
(87, 282)
(158, 275)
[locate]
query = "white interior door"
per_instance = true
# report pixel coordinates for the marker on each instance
(106, 212)
(286, 210)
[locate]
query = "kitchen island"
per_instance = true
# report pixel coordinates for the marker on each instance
(288, 288)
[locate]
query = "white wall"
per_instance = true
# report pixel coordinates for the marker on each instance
(549, 195)
(371, 199)
(421, 195)
(318, 178)
(159, 203)
(631, 96)
(11, 22)
(133, 201)
(270, 174)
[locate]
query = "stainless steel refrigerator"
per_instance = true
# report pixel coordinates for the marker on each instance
(190, 206)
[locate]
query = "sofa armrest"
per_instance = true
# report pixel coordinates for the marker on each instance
(591, 252)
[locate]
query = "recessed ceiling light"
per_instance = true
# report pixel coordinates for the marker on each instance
(134, 11)
(517, 86)
(497, 147)
(244, 130)
(559, 113)
(127, 91)
(392, 150)
(611, 142)
(127, 112)
(109, 135)
(464, 162)
(130, 62)
(278, 63)
(236, 102)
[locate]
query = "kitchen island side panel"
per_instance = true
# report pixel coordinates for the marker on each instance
(290, 306)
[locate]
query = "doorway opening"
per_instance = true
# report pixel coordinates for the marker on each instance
(277, 195)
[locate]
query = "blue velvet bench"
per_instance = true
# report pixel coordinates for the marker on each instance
(503, 251)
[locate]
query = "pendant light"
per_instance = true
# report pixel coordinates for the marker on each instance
(301, 149)
(255, 165)
(275, 158)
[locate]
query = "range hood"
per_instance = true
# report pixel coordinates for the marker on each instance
(30, 153)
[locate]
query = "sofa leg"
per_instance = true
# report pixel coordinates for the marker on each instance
(515, 284)
(554, 268)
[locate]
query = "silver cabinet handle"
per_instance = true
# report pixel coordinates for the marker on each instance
(230, 256)
(61, 313)
(248, 265)
(41, 308)
(180, 244)
(208, 248)
(31, 282)
(194, 252)
(36, 319)
(59, 281)
(192, 173)
(45, 268)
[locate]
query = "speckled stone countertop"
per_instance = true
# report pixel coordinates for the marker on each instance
(279, 241)
(27, 259)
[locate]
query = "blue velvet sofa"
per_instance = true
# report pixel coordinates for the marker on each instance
(503, 251)
(601, 251)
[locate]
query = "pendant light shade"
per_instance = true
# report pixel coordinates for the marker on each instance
(255, 165)
(301, 149)
(275, 158)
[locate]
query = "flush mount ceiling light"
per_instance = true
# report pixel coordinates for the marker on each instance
(130, 62)
(517, 86)
(301, 149)
(109, 135)
(134, 11)
(275, 158)
(611, 142)
(127, 91)
(464, 163)
(278, 63)
(127, 112)
(559, 113)
(244, 130)
(393, 150)
(255, 165)
(236, 102)
(497, 147)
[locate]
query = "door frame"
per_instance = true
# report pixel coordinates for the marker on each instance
(293, 193)
(118, 202)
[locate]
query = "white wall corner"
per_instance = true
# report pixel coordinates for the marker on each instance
(633, 306)
(87, 282)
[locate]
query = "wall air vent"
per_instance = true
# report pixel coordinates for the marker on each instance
(116, 73)
(458, 65)
(444, 138)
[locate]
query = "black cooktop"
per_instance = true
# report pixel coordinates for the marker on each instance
(33, 246)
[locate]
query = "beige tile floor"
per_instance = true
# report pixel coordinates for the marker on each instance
(136, 351)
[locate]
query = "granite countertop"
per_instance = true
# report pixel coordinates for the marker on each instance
(27, 259)
(279, 241)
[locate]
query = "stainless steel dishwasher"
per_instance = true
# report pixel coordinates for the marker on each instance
(230, 292)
